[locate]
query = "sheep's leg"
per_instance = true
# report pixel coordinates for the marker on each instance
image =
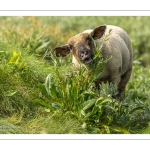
(115, 80)
(122, 85)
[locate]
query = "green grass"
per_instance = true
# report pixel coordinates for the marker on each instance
(24, 67)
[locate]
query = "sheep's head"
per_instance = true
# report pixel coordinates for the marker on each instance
(81, 45)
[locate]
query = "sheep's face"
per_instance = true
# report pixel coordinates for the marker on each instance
(81, 45)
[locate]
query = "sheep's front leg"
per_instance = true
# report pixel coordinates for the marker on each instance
(116, 81)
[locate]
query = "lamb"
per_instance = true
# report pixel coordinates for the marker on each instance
(118, 46)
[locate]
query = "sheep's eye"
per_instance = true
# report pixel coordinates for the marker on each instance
(89, 39)
(71, 46)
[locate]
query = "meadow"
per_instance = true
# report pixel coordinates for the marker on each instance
(37, 96)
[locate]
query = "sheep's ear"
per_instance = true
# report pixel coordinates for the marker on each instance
(62, 50)
(98, 32)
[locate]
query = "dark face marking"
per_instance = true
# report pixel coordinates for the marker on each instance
(85, 54)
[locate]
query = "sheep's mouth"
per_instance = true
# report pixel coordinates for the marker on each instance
(88, 60)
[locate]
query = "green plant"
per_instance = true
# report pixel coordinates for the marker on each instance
(66, 94)
(96, 110)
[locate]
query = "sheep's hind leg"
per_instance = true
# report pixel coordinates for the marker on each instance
(122, 85)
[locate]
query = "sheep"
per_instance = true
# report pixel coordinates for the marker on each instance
(118, 47)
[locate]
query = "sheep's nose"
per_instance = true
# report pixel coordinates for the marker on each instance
(84, 54)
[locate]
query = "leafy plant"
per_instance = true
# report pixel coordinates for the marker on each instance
(96, 110)
(83, 102)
